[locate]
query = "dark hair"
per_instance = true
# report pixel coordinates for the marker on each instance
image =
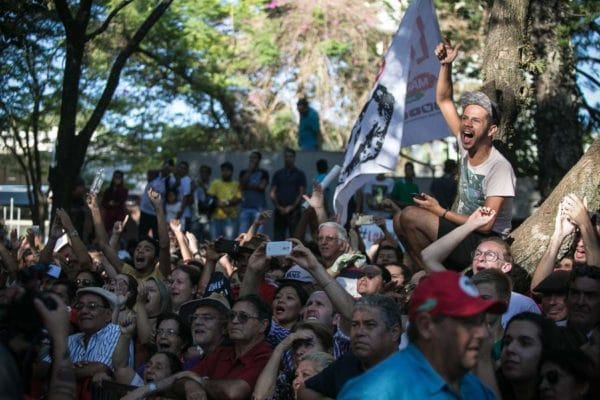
(174, 362)
(302, 102)
(262, 308)
(192, 271)
(258, 154)
(184, 163)
(152, 241)
(184, 330)
(322, 332)
(385, 304)
(227, 165)
(69, 284)
(322, 166)
(206, 168)
(450, 166)
(548, 332)
(132, 285)
(289, 150)
(495, 277)
(396, 250)
(97, 279)
(574, 361)
(584, 270)
(302, 295)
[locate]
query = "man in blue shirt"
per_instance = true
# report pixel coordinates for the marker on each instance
(308, 129)
(447, 329)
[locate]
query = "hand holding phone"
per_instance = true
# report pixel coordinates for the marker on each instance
(418, 196)
(276, 249)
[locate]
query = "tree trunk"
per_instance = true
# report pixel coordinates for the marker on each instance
(502, 60)
(559, 132)
(532, 237)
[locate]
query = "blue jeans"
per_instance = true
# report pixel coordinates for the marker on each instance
(223, 227)
(247, 217)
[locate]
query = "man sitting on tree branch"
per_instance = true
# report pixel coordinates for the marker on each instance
(486, 177)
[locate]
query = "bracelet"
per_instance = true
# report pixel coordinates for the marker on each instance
(444, 214)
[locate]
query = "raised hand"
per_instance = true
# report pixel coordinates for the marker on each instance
(575, 209)
(263, 217)
(302, 256)
(258, 261)
(446, 53)
(92, 201)
(128, 322)
(316, 200)
(175, 225)
(155, 198)
(55, 320)
(562, 225)
(480, 217)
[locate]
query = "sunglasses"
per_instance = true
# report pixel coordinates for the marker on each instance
(241, 316)
(90, 306)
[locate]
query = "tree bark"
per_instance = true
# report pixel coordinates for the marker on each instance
(72, 144)
(502, 61)
(559, 131)
(532, 237)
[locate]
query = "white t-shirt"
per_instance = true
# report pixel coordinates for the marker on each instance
(518, 303)
(494, 177)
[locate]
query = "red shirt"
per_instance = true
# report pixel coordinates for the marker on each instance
(222, 363)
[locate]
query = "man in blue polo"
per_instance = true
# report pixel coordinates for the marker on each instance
(447, 329)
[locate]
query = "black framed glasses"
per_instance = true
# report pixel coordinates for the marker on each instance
(241, 316)
(489, 256)
(90, 306)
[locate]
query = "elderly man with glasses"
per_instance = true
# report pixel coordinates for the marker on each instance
(94, 349)
(231, 372)
(492, 252)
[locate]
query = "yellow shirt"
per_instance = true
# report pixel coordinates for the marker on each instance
(142, 276)
(225, 191)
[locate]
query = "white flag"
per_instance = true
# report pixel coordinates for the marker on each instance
(401, 110)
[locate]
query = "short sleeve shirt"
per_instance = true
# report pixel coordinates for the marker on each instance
(225, 191)
(223, 364)
(287, 183)
(494, 177)
(408, 375)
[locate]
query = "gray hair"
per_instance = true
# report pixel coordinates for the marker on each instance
(340, 230)
(319, 359)
(386, 305)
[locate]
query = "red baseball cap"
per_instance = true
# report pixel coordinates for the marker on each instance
(450, 293)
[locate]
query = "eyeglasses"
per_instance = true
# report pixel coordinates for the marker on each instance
(202, 317)
(90, 306)
(241, 316)
(166, 332)
(489, 256)
(551, 376)
(326, 239)
(83, 282)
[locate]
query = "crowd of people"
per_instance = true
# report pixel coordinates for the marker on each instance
(192, 299)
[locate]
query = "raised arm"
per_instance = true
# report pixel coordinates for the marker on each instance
(164, 258)
(76, 243)
(63, 384)
(443, 94)
(258, 263)
(317, 202)
(101, 236)
(434, 254)
(342, 301)
(576, 210)
(562, 228)
(175, 226)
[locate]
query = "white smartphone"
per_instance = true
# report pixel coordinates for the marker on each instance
(282, 248)
(364, 219)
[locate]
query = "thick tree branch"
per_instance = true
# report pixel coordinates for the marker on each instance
(83, 139)
(62, 9)
(109, 18)
(588, 59)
